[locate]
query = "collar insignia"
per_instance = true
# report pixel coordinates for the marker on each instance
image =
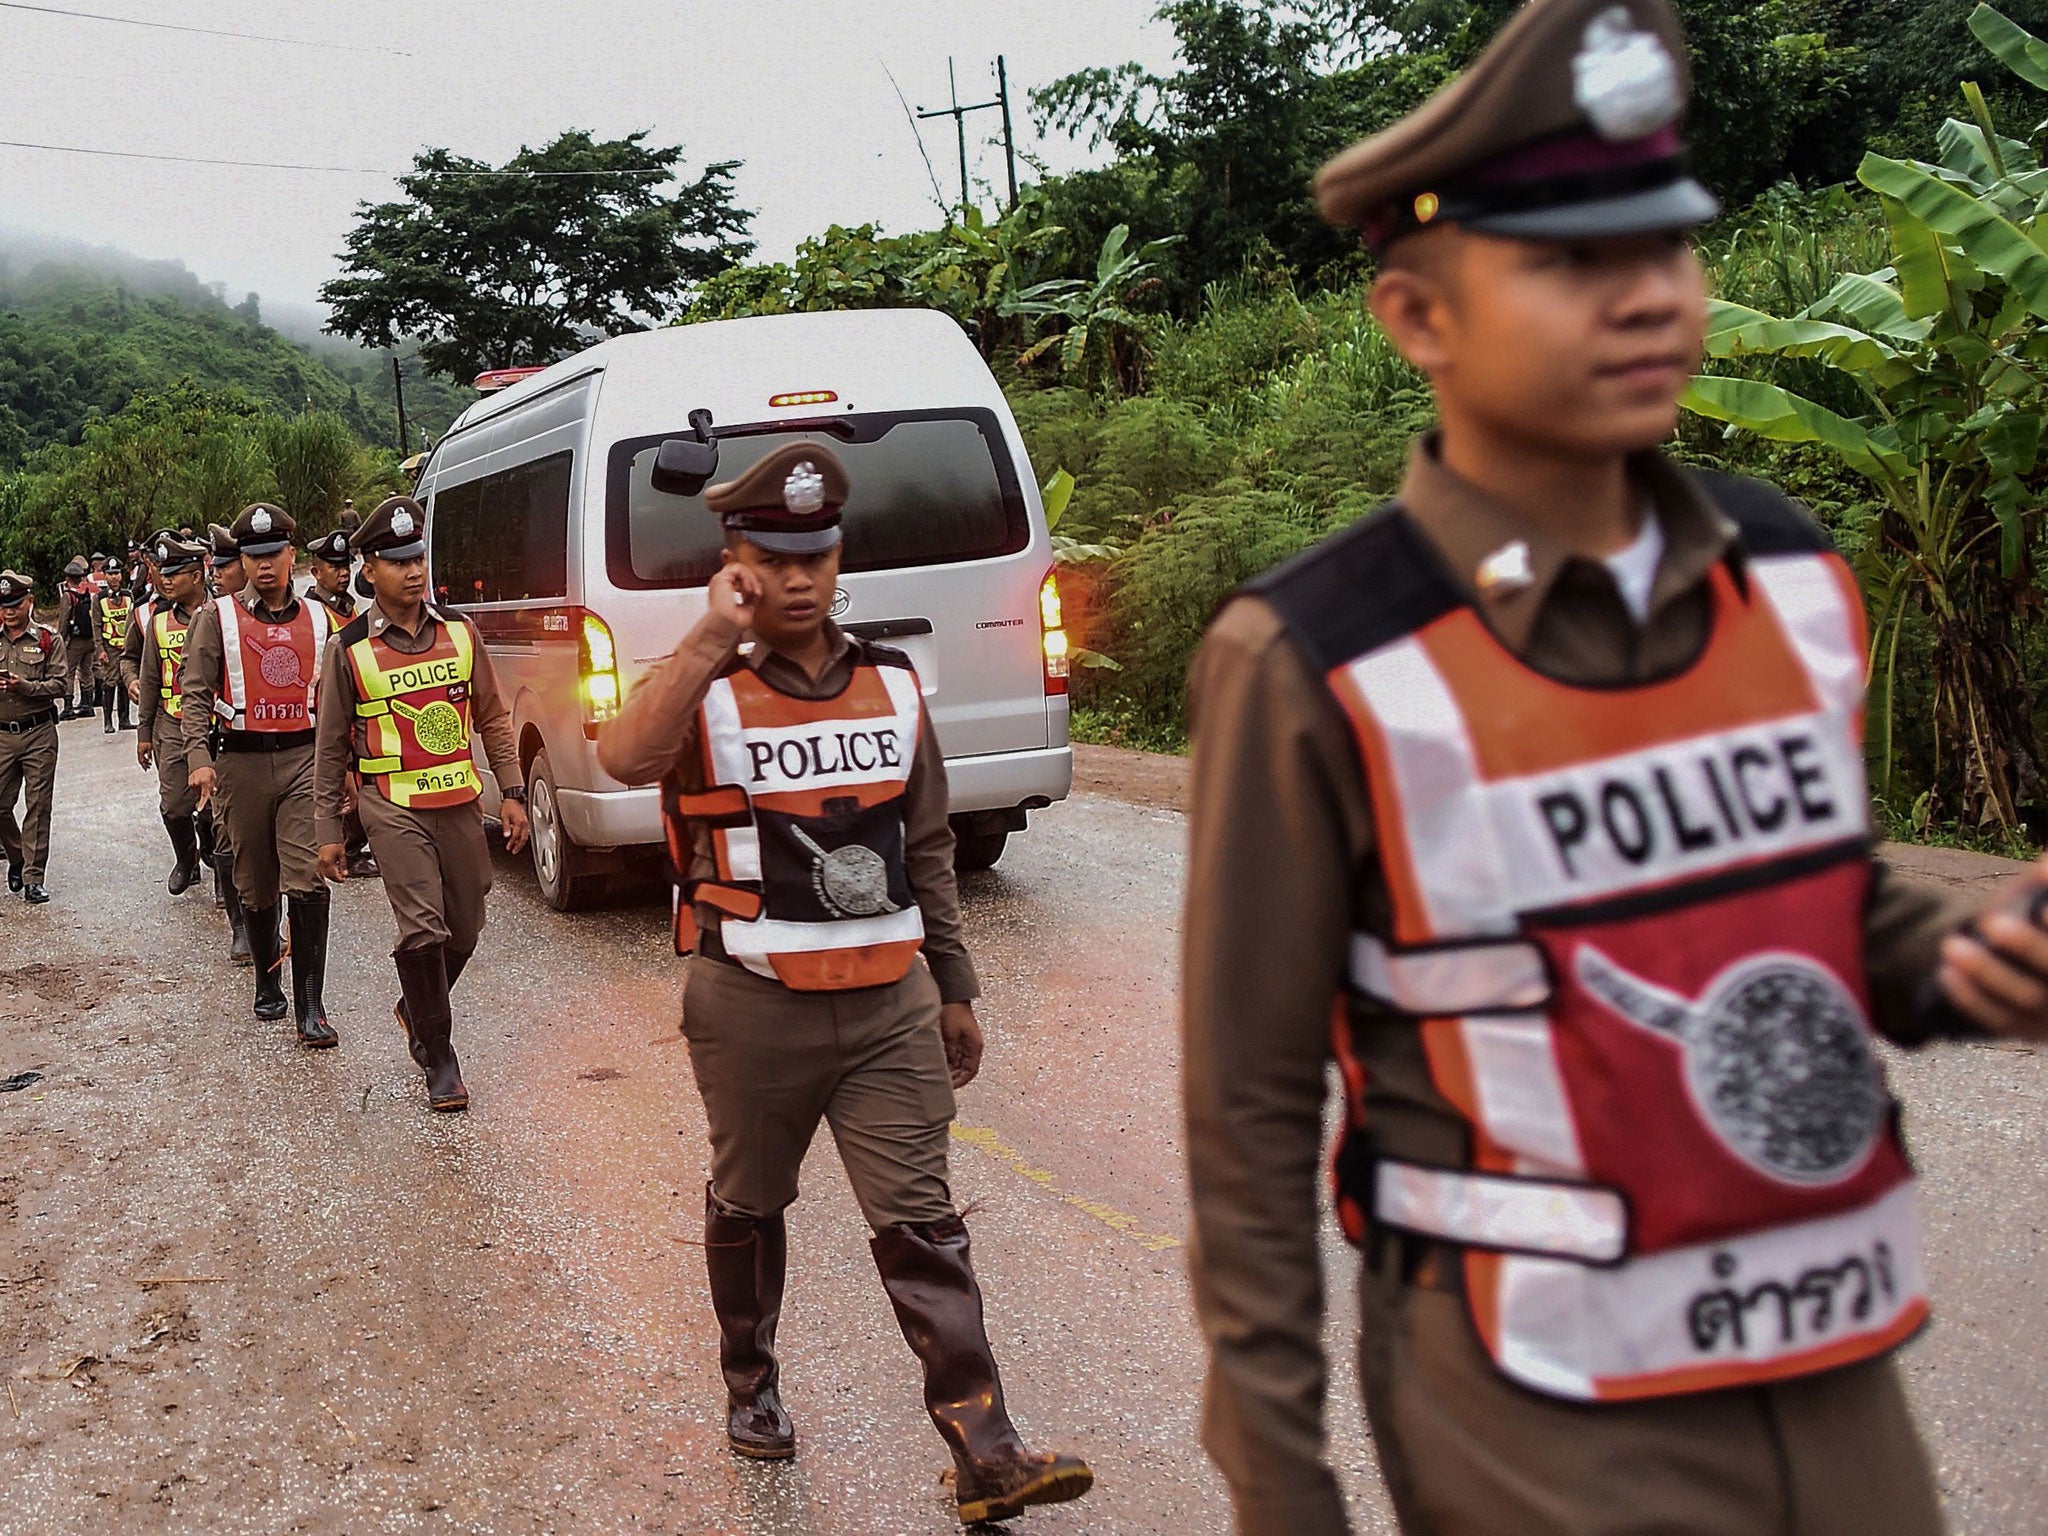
(1506, 569)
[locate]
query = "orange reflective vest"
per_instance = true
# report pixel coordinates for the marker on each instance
(805, 807)
(169, 631)
(414, 711)
(270, 673)
(114, 612)
(1627, 923)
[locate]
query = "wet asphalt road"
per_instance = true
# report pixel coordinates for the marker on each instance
(376, 1320)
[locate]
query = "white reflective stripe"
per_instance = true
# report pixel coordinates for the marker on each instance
(723, 733)
(234, 692)
(1575, 1221)
(908, 698)
(1573, 1331)
(1485, 976)
(323, 624)
(752, 943)
(1522, 1099)
(1818, 620)
(1450, 837)
(742, 851)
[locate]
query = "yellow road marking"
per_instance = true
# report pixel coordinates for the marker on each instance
(984, 1140)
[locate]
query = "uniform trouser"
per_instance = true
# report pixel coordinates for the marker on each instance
(78, 668)
(1466, 1452)
(28, 760)
(436, 869)
(771, 1063)
(265, 800)
(175, 795)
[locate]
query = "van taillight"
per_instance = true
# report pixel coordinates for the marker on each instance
(598, 662)
(1053, 620)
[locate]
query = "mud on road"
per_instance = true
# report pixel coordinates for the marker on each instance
(248, 1289)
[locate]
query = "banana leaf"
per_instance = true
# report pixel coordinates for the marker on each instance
(2015, 47)
(1870, 304)
(1735, 331)
(1934, 278)
(1057, 491)
(1784, 417)
(1994, 244)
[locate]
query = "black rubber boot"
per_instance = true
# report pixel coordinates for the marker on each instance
(209, 850)
(231, 900)
(746, 1259)
(266, 950)
(308, 918)
(185, 844)
(106, 703)
(929, 1276)
(423, 977)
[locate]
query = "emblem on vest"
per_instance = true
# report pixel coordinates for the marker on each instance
(852, 881)
(279, 664)
(1777, 1059)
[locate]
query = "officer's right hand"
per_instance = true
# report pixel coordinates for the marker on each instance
(734, 592)
(143, 754)
(135, 693)
(202, 779)
(334, 862)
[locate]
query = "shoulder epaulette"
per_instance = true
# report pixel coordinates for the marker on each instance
(1371, 583)
(1771, 522)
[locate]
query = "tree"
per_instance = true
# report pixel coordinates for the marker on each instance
(315, 462)
(1103, 341)
(522, 267)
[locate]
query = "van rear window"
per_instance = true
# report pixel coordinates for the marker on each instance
(928, 488)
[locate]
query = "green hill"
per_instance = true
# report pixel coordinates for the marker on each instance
(81, 334)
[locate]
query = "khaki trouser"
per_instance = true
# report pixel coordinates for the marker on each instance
(265, 800)
(436, 869)
(1466, 1452)
(771, 1063)
(78, 666)
(107, 666)
(175, 795)
(28, 760)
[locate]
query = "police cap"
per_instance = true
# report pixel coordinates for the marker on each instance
(221, 544)
(397, 530)
(173, 554)
(263, 529)
(788, 502)
(13, 588)
(333, 549)
(1565, 128)
(75, 568)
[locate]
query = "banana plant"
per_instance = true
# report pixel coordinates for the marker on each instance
(1103, 338)
(1947, 348)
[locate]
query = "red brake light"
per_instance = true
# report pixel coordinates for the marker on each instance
(503, 378)
(803, 397)
(1052, 623)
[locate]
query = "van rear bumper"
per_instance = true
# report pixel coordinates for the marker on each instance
(626, 818)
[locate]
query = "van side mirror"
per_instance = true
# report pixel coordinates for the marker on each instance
(683, 466)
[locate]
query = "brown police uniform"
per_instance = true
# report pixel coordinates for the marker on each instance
(33, 663)
(781, 1039)
(335, 552)
(263, 792)
(74, 624)
(160, 706)
(1292, 879)
(419, 804)
(111, 626)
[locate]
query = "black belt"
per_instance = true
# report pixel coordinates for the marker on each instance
(16, 727)
(264, 741)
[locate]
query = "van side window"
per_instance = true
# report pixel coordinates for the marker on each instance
(504, 538)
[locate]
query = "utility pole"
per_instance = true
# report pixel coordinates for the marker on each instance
(959, 115)
(398, 390)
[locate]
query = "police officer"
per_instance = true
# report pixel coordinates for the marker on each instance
(818, 870)
(113, 611)
(405, 690)
(1551, 772)
(253, 661)
(332, 560)
(225, 578)
(151, 656)
(225, 561)
(32, 680)
(74, 625)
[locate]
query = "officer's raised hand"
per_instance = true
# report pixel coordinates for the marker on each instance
(962, 1034)
(1997, 975)
(734, 594)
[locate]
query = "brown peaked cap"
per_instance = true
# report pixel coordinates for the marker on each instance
(789, 501)
(1526, 87)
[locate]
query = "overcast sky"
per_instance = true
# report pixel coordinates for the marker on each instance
(794, 88)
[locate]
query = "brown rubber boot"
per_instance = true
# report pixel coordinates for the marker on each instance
(423, 976)
(930, 1280)
(746, 1259)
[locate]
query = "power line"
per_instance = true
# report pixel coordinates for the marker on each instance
(343, 170)
(171, 26)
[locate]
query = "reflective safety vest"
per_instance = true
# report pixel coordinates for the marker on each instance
(805, 807)
(169, 631)
(1627, 923)
(270, 673)
(114, 612)
(414, 711)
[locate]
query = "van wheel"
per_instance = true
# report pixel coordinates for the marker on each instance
(977, 850)
(559, 863)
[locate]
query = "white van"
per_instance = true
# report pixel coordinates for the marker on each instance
(544, 526)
